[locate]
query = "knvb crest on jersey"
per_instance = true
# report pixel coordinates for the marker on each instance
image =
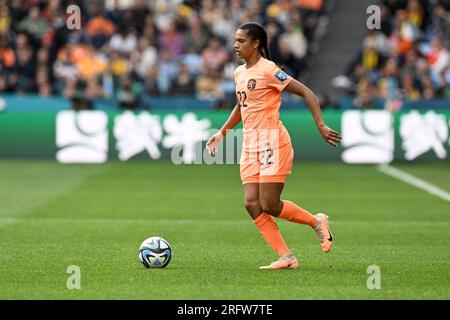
(251, 84)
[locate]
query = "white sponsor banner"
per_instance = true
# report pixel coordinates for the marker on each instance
(367, 136)
(82, 137)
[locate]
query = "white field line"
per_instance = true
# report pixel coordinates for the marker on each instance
(414, 181)
(7, 221)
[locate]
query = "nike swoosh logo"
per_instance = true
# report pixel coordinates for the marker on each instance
(331, 236)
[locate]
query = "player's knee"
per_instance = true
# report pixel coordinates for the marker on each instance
(270, 207)
(252, 206)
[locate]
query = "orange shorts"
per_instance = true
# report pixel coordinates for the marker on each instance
(272, 165)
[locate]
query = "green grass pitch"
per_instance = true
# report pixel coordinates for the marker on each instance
(53, 216)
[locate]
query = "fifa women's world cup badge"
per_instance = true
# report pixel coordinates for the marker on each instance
(251, 84)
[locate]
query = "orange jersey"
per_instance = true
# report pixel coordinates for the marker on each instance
(258, 91)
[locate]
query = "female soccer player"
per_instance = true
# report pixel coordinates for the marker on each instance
(267, 152)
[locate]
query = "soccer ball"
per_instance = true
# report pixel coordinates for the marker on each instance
(155, 252)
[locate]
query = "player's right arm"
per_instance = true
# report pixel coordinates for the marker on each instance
(233, 120)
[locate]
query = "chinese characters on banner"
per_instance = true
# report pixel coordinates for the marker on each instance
(82, 137)
(136, 134)
(422, 133)
(368, 136)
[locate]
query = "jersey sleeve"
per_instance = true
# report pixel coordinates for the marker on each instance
(277, 78)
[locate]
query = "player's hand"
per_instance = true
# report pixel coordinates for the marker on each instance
(213, 143)
(329, 135)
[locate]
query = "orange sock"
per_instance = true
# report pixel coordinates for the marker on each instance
(294, 213)
(269, 230)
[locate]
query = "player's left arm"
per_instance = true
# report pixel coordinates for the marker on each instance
(328, 134)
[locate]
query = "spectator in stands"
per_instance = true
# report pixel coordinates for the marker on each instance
(428, 88)
(165, 13)
(280, 11)
(172, 42)
(150, 31)
(371, 55)
(168, 70)
(43, 57)
(22, 41)
(91, 65)
(395, 5)
(64, 70)
(409, 88)
(183, 83)
(236, 9)
(294, 30)
(405, 33)
(155, 44)
(7, 55)
(274, 30)
(43, 82)
(118, 65)
(418, 59)
(135, 17)
(208, 85)
(151, 83)
(311, 5)
(254, 12)
(52, 10)
(294, 40)
(365, 97)
(389, 78)
(440, 24)
(421, 70)
(126, 97)
(375, 49)
(99, 28)
(223, 26)
(197, 35)
(416, 14)
(124, 41)
(5, 20)
(410, 62)
(439, 61)
(227, 85)
(193, 61)
(24, 70)
(207, 12)
(385, 21)
(215, 55)
(18, 12)
(377, 41)
(285, 57)
(146, 57)
(34, 24)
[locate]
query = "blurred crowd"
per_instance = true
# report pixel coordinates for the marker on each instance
(407, 59)
(134, 49)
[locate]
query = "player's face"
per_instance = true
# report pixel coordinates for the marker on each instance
(244, 46)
